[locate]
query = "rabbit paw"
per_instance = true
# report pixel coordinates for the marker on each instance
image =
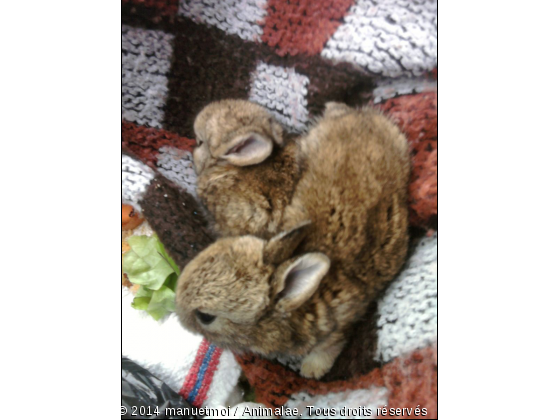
(316, 365)
(336, 109)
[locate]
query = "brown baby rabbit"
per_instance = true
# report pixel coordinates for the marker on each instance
(246, 169)
(344, 237)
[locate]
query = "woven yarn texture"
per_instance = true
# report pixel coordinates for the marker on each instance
(292, 57)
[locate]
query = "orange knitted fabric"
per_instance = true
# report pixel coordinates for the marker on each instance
(417, 117)
(411, 381)
(145, 141)
(163, 7)
(302, 26)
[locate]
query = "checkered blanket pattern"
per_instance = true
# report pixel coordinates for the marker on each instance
(292, 57)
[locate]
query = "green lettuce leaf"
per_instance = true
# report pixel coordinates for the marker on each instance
(164, 254)
(144, 264)
(148, 264)
(142, 299)
(162, 302)
(141, 303)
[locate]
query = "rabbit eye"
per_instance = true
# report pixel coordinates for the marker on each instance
(206, 319)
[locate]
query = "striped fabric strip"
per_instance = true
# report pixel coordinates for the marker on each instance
(199, 378)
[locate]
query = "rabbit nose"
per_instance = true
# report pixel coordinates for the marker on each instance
(204, 318)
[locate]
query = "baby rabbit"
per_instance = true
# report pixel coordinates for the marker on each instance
(344, 236)
(246, 169)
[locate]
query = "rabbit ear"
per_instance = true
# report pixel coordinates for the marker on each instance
(248, 149)
(282, 246)
(299, 280)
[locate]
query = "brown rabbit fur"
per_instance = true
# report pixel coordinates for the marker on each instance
(344, 237)
(246, 168)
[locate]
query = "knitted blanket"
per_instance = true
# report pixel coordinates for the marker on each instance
(291, 57)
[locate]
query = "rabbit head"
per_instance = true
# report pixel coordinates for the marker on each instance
(240, 291)
(233, 131)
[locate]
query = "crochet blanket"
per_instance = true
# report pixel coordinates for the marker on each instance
(291, 57)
